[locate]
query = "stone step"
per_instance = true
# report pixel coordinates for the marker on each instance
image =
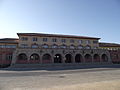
(58, 66)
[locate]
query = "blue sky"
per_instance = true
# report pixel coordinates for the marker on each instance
(94, 18)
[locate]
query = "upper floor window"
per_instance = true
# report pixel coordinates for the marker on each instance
(34, 46)
(72, 47)
(95, 42)
(88, 47)
(44, 39)
(24, 46)
(63, 46)
(10, 46)
(63, 40)
(2, 46)
(71, 41)
(54, 46)
(45, 46)
(80, 41)
(54, 40)
(95, 47)
(24, 38)
(80, 47)
(87, 41)
(34, 38)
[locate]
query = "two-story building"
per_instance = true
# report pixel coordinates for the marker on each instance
(114, 50)
(54, 48)
(7, 47)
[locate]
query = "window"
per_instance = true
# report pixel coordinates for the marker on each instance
(24, 38)
(87, 41)
(2, 46)
(54, 40)
(95, 47)
(24, 45)
(80, 41)
(63, 40)
(7, 46)
(44, 39)
(80, 47)
(54, 46)
(10, 46)
(116, 56)
(34, 46)
(63, 46)
(9, 57)
(95, 42)
(71, 41)
(88, 47)
(72, 47)
(45, 46)
(34, 38)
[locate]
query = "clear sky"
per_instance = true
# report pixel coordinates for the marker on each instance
(94, 18)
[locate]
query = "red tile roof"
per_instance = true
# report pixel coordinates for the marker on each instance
(9, 40)
(101, 44)
(56, 35)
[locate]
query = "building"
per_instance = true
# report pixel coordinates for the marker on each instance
(52, 48)
(39, 48)
(7, 47)
(114, 50)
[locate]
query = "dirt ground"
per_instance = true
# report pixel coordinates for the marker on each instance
(78, 79)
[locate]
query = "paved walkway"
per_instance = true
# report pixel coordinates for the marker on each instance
(106, 78)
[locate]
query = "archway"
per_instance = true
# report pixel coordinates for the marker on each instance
(34, 58)
(57, 58)
(78, 58)
(104, 58)
(22, 58)
(96, 58)
(46, 58)
(68, 58)
(88, 58)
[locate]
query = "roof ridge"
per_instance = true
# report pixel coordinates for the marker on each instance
(57, 35)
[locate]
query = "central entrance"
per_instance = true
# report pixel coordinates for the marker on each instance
(57, 58)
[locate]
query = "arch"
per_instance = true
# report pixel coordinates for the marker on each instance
(46, 58)
(22, 58)
(96, 58)
(88, 58)
(104, 58)
(57, 58)
(68, 58)
(78, 58)
(34, 57)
